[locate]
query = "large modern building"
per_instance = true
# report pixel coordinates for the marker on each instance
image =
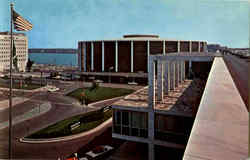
(130, 53)
(21, 44)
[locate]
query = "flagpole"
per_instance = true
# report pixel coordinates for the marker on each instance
(10, 89)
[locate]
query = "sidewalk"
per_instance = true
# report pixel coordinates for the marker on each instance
(28, 115)
(4, 104)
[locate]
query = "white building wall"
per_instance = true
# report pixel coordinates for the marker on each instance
(21, 44)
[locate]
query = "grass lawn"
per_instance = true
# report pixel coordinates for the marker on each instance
(88, 121)
(100, 93)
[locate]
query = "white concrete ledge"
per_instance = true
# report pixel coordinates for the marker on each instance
(220, 130)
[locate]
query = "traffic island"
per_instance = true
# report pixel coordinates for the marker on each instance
(96, 93)
(74, 125)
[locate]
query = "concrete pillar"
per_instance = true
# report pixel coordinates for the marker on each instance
(205, 46)
(151, 118)
(151, 153)
(103, 56)
(79, 56)
(166, 78)
(190, 64)
(159, 80)
(184, 71)
(116, 56)
(179, 46)
(164, 47)
(176, 74)
(172, 75)
(92, 56)
(84, 57)
(190, 67)
(199, 46)
(148, 52)
(151, 84)
(190, 46)
(180, 71)
(132, 57)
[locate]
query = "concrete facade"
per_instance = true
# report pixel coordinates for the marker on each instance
(134, 52)
(21, 44)
(170, 71)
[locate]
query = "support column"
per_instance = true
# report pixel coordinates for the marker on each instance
(159, 80)
(205, 46)
(164, 47)
(151, 104)
(148, 52)
(176, 74)
(103, 56)
(190, 68)
(151, 84)
(84, 57)
(180, 71)
(199, 46)
(79, 56)
(183, 71)
(151, 152)
(179, 46)
(190, 46)
(166, 78)
(172, 75)
(116, 56)
(92, 56)
(132, 57)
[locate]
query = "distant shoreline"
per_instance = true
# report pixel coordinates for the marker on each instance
(53, 50)
(58, 59)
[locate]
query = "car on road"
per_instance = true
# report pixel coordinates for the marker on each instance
(52, 88)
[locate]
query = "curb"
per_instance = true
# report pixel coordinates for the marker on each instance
(107, 123)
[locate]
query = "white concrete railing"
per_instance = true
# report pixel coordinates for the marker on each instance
(220, 130)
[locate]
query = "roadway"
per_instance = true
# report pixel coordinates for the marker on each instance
(239, 71)
(62, 108)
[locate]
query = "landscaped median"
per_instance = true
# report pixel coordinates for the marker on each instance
(93, 94)
(70, 126)
(77, 125)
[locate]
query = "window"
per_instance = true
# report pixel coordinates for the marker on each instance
(125, 118)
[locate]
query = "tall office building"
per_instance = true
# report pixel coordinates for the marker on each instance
(21, 45)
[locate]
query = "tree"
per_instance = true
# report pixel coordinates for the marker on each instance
(29, 64)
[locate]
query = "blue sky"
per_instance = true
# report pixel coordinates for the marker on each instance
(62, 23)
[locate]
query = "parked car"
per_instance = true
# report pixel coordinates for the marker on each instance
(83, 158)
(72, 158)
(98, 152)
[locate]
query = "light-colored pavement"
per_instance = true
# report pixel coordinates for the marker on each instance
(28, 115)
(4, 104)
